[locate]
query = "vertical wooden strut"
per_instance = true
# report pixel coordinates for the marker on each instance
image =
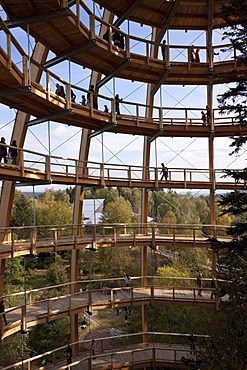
(211, 123)
(145, 176)
(79, 195)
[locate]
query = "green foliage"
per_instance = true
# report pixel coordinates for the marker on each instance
(118, 211)
(22, 214)
(172, 208)
(22, 211)
(195, 260)
(14, 272)
(234, 99)
(170, 271)
(56, 273)
(109, 194)
(50, 335)
(53, 208)
(234, 203)
(117, 261)
(14, 349)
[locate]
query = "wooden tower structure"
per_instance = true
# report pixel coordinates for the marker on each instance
(79, 35)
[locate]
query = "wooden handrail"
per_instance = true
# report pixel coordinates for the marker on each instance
(101, 352)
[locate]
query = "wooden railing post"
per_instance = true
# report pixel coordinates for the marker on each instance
(68, 96)
(47, 168)
(48, 84)
(113, 112)
(33, 235)
(24, 317)
(92, 26)
(12, 244)
(147, 53)
(21, 162)
(25, 71)
(161, 118)
(127, 46)
(8, 36)
(102, 179)
(78, 8)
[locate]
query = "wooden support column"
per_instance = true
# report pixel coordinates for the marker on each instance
(211, 123)
(144, 322)
(79, 193)
(145, 176)
(19, 133)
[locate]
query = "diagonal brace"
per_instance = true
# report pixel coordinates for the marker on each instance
(152, 138)
(12, 23)
(65, 56)
(168, 20)
(16, 91)
(161, 80)
(50, 117)
(103, 129)
(113, 73)
(121, 19)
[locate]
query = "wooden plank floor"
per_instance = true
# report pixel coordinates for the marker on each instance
(54, 308)
(31, 174)
(130, 357)
(23, 247)
(64, 34)
(40, 102)
(190, 15)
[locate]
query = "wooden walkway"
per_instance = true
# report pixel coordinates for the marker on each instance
(41, 311)
(148, 354)
(62, 31)
(41, 102)
(189, 15)
(123, 351)
(71, 237)
(58, 170)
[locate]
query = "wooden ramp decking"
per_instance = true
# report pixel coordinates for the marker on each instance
(61, 30)
(55, 308)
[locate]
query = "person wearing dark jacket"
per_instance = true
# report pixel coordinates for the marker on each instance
(3, 150)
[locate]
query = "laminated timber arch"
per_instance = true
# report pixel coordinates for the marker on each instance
(19, 133)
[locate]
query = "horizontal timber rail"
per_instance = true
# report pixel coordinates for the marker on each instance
(19, 92)
(17, 241)
(90, 295)
(172, 345)
(34, 167)
(80, 30)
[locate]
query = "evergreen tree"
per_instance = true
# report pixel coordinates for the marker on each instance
(226, 348)
(234, 99)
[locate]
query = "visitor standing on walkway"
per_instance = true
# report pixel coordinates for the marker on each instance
(117, 104)
(60, 91)
(93, 347)
(204, 117)
(197, 56)
(199, 284)
(2, 309)
(127, 280)
(68, 353)
(164, 172)
(3, 150)
(213, 288)
(163, 50)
